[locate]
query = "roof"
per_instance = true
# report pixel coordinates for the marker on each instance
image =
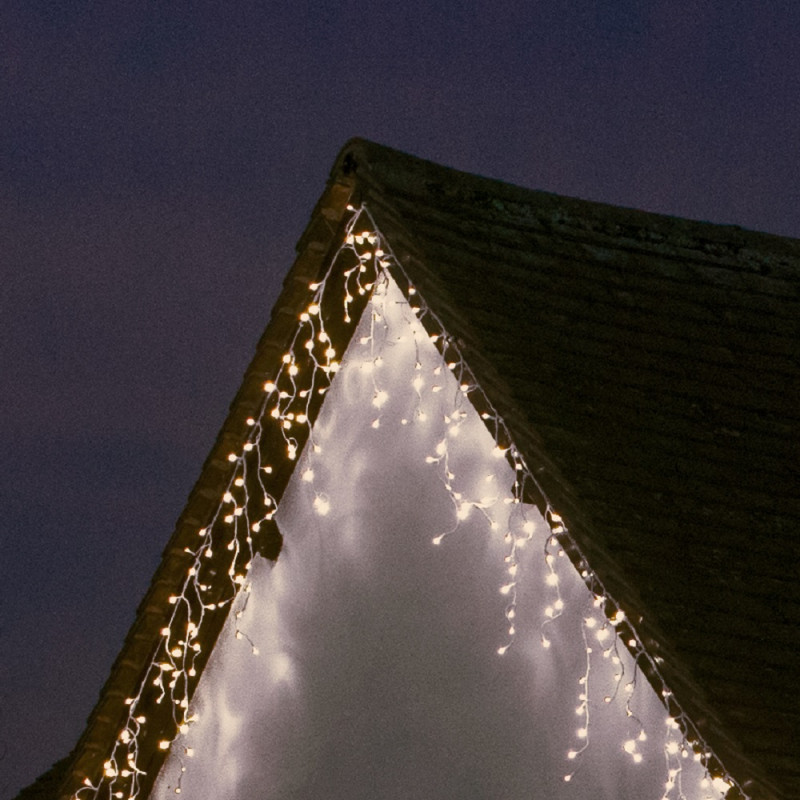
(647, 371)
(648, 368)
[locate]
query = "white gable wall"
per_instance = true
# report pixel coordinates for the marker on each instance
(377, 673)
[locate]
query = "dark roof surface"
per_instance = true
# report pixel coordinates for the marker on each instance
(648, 368)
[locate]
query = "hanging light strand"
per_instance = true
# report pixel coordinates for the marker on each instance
(236, 526)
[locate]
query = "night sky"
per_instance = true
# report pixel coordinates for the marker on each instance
(158, 161)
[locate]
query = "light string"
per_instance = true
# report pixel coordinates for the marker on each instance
(235, 531)
(604, 621)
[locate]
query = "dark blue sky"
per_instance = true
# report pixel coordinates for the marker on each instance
(159, 160)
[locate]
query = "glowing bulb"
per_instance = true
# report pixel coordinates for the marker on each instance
(308, 475)
(720, 784)
(321, 505)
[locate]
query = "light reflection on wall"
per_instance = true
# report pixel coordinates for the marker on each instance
(368, 661)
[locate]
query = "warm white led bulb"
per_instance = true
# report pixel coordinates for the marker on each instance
(379, 398)
(321, 505)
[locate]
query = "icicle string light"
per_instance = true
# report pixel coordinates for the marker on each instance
(228, 542)
(234, 533)
(558, 544)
